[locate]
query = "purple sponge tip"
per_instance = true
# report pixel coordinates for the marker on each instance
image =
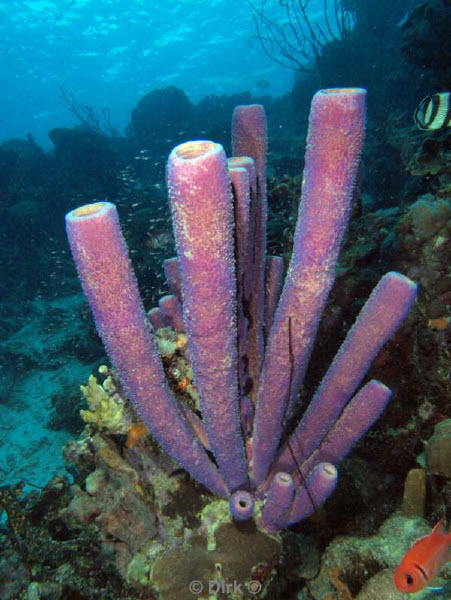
(241, 505)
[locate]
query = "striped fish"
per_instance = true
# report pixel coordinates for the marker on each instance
(434, 112)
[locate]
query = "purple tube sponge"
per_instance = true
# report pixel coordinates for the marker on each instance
(249, 138)
(247, 245)
(202, 216)
(109, 284)
(334, 144)
(278, 502)
(241, 196)
(273, 287)
(381, 316)
(355, 420)
(246, 390)
(172, 273)
(319, 485)
(156, 318)
(172, 312)
(241, 505)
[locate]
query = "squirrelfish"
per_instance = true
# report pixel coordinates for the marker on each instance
(423, 560)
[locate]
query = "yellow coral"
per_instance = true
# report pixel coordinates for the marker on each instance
(106, 408)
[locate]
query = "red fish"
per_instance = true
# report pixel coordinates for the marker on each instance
(423, 560)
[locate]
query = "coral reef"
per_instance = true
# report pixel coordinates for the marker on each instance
(156, 522)
(87, 159)
(46, 557)
(81, 541)
(159, 115)
(123, 463)
(432, 159)
(225, 339)
(428, 24)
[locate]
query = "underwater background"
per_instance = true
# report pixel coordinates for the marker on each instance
(95, 95)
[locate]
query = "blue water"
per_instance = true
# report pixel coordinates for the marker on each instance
(109, 53)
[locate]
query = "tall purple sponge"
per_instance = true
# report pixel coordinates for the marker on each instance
(243, 429)
(202, 216)
(334, 145)
(249, 138)
(109, 284)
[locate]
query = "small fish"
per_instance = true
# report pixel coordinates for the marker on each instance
(403, 20)
(423, 560)
(434, 112)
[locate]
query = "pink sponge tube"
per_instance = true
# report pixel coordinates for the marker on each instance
(109, 284)
(334, 144)
(202, 216)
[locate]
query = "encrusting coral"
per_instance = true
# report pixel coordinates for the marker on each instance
(107, 409)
